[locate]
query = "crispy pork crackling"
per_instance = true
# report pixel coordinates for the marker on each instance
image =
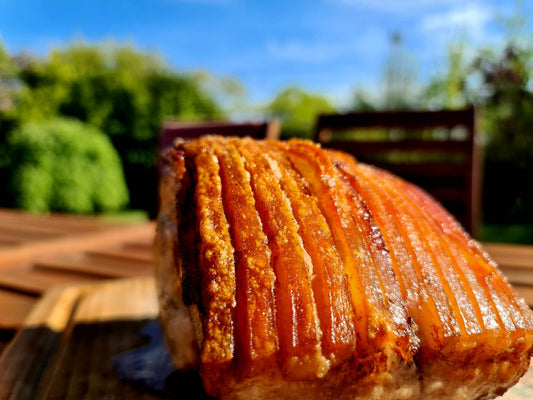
(286, 271)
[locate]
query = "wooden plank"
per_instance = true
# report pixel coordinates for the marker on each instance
(106, 268)
(173, 130)
(14, 308)
(35, 282)
(147, 245)
(21, 254)
(65, 348)
(511, 255)
(367, 150)
(124, 299)
(139, 250)
(66, 221)
(376, 147)
(519, 276)
(8, 241)
(27, 358)
(521, 250)
(28, 234)
(510, 251)
(514, 262)
(142, 257)
(15, 240)
(15, 226)
(107, 322)
(391, 119)
(426, 169)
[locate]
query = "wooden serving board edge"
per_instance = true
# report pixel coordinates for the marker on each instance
(29, 362)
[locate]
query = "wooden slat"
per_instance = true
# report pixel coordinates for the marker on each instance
(391, 119)
(60, 242)
(259, 130)
(105, 268)
(71, 222)
(511, 255)
(35, 282)
(28, 234)
(369, 150)
(31, 354)
(429, 169)
(16, 226)
(146, 242)
(518, 276)
(505, 261)
(141, 250)
(376, 147)
(15, 240)
(65, 348)
(123, 255)
(8, 241)
(139, 246)
(21, 254)
(516, 263)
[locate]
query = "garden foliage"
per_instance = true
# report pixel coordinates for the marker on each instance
(65, 166)
(125, 93)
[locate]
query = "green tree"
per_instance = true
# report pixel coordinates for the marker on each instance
(362, 101)
(123, 92)
(508, 117)
(499, 81)
(64, 165)
(450, 90)
(9, 88)
(298, 110)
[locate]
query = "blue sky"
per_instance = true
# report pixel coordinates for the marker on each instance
(327, 46)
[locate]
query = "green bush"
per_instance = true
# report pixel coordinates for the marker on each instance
(66, 166)
(124, 92)
(298, 111)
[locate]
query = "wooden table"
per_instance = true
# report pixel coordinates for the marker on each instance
(40, 252)
(516, 263)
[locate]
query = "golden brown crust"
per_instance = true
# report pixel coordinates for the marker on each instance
(180, 336)
(287, 272)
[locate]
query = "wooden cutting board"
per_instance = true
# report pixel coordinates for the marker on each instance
(65, 348)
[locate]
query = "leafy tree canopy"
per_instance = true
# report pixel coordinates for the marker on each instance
(298, 110)
(64, 165)
(124, 92)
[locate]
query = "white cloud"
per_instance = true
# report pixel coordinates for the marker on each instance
(471, 25)
(398, 6)
(305, 52)
(473, 18)
(370, 43)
